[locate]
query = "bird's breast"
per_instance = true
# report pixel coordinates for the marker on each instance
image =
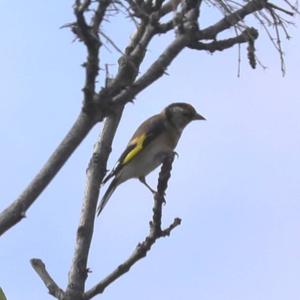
(149, 158)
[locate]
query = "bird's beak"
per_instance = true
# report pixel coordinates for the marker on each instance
(198, 117)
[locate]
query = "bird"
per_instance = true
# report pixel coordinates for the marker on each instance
(153, 140)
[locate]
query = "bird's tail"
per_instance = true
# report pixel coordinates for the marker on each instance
(113, 185)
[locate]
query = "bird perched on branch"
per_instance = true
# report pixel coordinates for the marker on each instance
(154, 139)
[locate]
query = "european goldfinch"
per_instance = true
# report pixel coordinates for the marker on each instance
(154, 139)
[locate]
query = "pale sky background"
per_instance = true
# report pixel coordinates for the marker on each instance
(235, 184)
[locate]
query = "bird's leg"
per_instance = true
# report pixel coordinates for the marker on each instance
(174, 153)
(143, 181)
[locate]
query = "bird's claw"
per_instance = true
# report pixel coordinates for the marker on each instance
(154, 192)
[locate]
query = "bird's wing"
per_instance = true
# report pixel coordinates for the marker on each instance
(144, 135)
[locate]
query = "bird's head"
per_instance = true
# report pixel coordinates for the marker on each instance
(180, 114)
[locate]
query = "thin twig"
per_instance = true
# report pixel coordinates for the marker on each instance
(232, 19)
(278, 40)
(111, 42)
(51, 285)
(271, 5)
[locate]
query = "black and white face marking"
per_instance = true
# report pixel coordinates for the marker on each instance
(180, 114)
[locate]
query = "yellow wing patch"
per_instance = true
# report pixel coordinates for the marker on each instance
(138, 141)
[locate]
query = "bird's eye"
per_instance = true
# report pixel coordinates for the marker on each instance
(187, 114)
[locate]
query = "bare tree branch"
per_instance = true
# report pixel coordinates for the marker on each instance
(169, 6)
(17, 209)
(151, 18)
(155, 232)
(271, 5)
(165, 27)
(232, 19)
(111, 42)
(51, 285)
(99, 14)
(95, 173)
(158, 68)
(278, 39)
(155, 71)
(89, 35)
(129, 63)
(247, 35)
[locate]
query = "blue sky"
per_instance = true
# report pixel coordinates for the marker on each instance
(235, 184)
